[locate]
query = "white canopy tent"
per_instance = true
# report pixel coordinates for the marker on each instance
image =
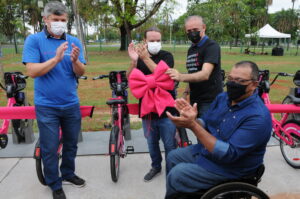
(268, 32)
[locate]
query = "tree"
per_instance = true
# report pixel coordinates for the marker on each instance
(235, 25)
(286, 21)
(8, 17)
(126, 12)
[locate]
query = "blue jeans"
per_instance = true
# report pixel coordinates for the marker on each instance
(49, 120)
(162, 128)
(187, 176)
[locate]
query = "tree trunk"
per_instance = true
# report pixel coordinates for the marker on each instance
(1, 67)
(125, 38)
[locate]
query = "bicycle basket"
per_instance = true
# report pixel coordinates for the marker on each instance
(13, 79)
(113, 81)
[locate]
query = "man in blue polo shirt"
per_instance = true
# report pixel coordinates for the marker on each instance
(233, 135)
(54, 59)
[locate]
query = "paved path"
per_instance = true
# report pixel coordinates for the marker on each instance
(18, 178)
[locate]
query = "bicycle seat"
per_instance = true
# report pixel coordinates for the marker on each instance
(295, 100)
(115, 101)
(252, 179)
(296, 79)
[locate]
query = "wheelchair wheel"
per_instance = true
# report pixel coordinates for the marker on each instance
(114, 154)
(235, 190)
(291, 154)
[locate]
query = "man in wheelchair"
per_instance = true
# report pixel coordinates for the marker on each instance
(233, 136)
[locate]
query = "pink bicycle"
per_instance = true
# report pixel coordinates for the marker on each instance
(14, 83)
(286, 130)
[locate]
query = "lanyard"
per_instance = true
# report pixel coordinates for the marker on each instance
(202, 41)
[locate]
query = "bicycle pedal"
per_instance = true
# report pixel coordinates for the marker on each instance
(107, 126)
(130, 149)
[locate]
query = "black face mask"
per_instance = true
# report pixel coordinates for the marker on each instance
(235, 90)
(194, 36)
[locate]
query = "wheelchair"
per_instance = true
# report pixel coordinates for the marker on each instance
(243, 188)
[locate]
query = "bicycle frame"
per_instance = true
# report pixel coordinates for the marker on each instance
(5, 124)
(118, 121)
(278, 129)
(14, 83)
(277, 124)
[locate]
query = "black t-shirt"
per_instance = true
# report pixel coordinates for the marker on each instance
(207, 52)
(168, 58)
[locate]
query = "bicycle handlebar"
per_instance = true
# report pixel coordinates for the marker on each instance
(101, 77)
(21, 76)
(285, 74)
(16, 75)
(82, 77)
(281, 74)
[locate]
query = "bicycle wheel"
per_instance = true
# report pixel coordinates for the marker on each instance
(38, 163)
(235, 190)
(291, 154)
(114, 154)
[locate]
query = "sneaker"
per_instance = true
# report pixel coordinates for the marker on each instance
(151, 174)
(59, 194)
(75, 181)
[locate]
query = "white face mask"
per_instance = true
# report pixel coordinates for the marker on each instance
(154, 47)
(58, 27)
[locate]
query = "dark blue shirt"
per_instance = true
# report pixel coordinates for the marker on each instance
(58, 87)
(242, 131)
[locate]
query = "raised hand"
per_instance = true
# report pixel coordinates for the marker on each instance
(142, 51)
(187, 112)
(75, 53)
(132, 52)
(60, 51)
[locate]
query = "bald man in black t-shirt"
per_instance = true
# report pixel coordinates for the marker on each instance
(203, 65)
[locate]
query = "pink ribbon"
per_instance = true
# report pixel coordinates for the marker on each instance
(153, 89)
(28, 112)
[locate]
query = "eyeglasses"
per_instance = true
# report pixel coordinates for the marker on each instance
(238, 80)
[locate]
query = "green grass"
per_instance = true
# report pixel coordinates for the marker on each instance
(110, 58)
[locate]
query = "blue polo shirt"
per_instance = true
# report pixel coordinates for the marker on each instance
(57, 88)
(242, 131)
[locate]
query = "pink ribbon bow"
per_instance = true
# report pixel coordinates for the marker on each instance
(153, 89)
